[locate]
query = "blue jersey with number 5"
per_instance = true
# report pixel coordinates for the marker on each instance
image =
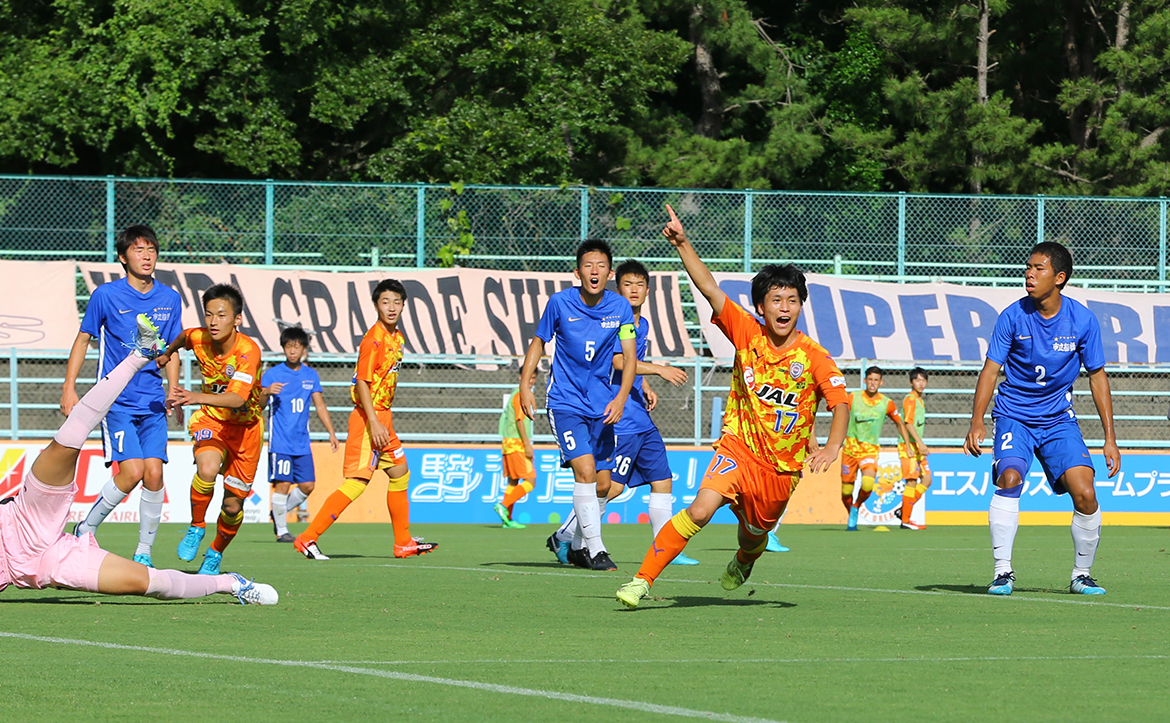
(583, 355)
(1041, 358)
(290, 408)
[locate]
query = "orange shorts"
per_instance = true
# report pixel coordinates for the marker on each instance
(913, 465)
(850, 465)
(757, 492)
(361, 459)
(518, 466)
(239, 444)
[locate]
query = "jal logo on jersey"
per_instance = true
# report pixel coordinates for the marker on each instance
(776, 396)
(1064, 343)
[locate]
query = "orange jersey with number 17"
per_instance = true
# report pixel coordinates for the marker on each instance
(774, 394)
(377, 365)
(236, 371)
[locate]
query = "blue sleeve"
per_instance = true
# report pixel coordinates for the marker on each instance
(95, 313)
(1001, 338)
(547, 326)
(316, 382)
(1091, 350)
(174, 325)
(267, 378)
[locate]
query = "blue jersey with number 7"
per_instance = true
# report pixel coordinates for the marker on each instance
(1041, 358)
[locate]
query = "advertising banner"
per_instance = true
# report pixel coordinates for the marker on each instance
(941, 322)
(448, 311)
(37, 305)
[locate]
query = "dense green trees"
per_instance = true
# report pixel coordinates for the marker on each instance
(999, 96)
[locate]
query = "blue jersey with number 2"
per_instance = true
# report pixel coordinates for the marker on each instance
(585, 339)
(1041, 358)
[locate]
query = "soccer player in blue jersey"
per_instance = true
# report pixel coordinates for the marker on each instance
(585, 322)
(639, 452)
(1041, 342)
(134, 433)
(288, 389)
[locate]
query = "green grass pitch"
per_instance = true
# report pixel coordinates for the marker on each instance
(865, 626)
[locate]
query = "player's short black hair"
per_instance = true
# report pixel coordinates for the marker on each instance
(594, 244)
(225, 291)
(631, 267)
(875, 370)
(1059, 256)
(774, 276)
(294, 333)
(130, 235)
(388, 285)
(918, 372)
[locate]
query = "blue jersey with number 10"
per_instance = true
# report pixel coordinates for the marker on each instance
(585, 339)
(290, 408)
(1041, 359)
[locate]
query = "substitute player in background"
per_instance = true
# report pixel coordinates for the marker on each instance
(867, 412)
(639, 452)
(35, 554)
(516, 436)
(228, 427)
(371, 444)
(1041, 342)
(134, 433)
(288, 388)
(779, 377)
(587, 323)
(915, 467)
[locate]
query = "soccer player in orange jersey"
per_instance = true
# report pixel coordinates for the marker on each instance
(867, 412)
(228, 427)
(915, 467)
(371, 444)
(779, 377)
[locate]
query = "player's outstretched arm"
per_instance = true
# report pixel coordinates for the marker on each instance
(671, 374)
(185, 398)
(983, 391)
(1103, 399)
(326, 420)
(69, 396)
(824, 457)
(700, 275)
(527, 373)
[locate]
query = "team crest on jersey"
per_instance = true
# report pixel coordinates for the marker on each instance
(230, 370)
(796, 370)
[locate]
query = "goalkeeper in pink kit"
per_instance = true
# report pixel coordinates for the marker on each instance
(34, 551)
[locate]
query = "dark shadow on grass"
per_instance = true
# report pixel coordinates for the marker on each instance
(977, 589)
(650, 603)
(98, 600)
(551, 564)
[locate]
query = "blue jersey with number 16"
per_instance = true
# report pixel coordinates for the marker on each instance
(1041, 359)
(585, 338)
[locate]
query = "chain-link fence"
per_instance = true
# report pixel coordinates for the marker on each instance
(972, 239)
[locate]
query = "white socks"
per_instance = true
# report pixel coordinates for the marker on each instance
(588, 516)
(295, 498)
(109, 498)
(280, 513)
(1003, 518)
(149, 513)
(660, 510)
(1086, 533)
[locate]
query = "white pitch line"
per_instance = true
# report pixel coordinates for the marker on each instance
(493, 571)
(794, 661)
(411, 678)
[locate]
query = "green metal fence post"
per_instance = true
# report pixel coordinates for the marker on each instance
(1162, 244)
(1039, 218)
(269, 203)
(420, 226)
(901, 235)
(747, 231)
(583, 232)
(109, 219)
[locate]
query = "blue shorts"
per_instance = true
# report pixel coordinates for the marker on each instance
(295, 468)
(579, 436)
(1059, 447)
(640, 458)
(134, 436)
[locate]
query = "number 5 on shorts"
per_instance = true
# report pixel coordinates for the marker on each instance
(570, 443)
